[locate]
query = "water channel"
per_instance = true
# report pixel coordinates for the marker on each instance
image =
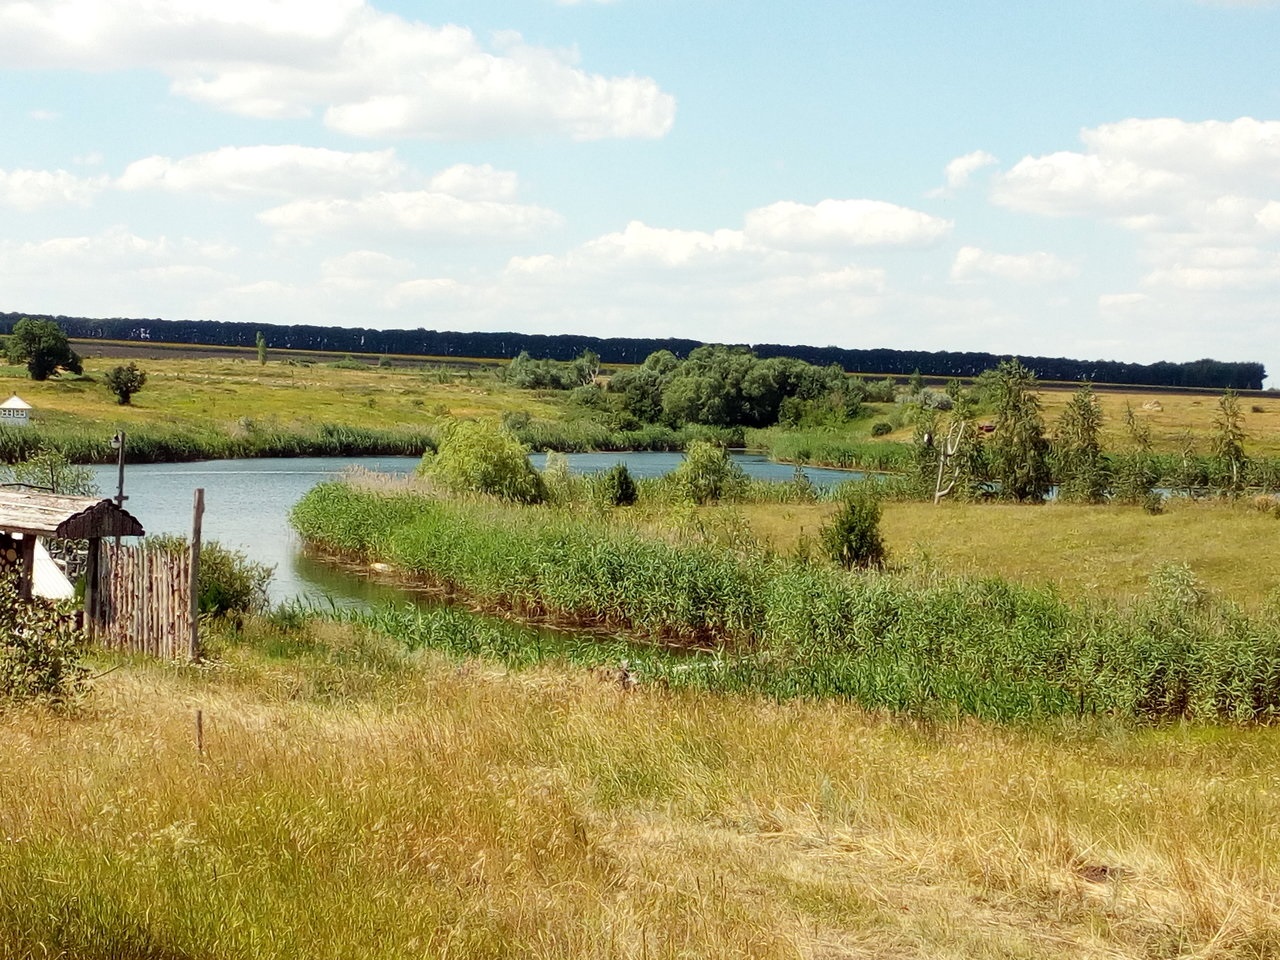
(247, 506)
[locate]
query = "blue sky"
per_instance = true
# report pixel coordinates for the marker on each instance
(1094, 179)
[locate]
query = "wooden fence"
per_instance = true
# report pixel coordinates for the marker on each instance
(145, 597)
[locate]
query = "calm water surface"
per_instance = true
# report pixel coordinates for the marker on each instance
(247, 506)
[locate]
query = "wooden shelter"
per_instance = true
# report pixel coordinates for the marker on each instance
(27, 514)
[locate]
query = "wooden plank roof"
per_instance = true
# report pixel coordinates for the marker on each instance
(55, 515)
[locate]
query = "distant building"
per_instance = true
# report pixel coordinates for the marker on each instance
(15, 412)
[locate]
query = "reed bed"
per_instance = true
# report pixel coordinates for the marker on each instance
(922, 644)
(148, 444)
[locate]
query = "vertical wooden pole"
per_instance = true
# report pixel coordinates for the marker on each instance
(197, 518)
(91, 585)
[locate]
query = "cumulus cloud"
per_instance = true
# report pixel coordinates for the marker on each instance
(32, 189)
(285, 170)
(843, 223)
(1155, 175)
(372, 74)
(472, 182)
(1039, 267)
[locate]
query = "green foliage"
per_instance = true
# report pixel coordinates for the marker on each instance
(852, 537)
(479, 456)
(261, 342)
(348, 362)
(881, 428)
(51, 470)
(229, 585)
(921, 643)
(40, 649)
(43, 347)
(1018, 452)
(707, 474)
(1228, 441)
(1077, 452)
(124, 381)
(617, 488)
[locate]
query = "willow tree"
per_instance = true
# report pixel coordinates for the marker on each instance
(1077, 452)
(1228, 440)
(1018, 451)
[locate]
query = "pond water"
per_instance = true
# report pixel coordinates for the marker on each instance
(247, 506)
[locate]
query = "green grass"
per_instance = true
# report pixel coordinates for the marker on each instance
(911, 641)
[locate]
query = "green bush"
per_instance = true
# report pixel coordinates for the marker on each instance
(880, 428)
(40, 649)
(229, 584)
(124, 381)
(479, 456)
(852, 537)
(617, 488)
(707, 474)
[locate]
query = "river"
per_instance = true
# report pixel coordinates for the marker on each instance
(247, 506)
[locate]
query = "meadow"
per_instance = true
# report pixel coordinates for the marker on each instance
(356, 799)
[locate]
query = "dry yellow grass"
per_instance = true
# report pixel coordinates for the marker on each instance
(346, 809)
(1107, 551)
(222, 391)
(1171, 416)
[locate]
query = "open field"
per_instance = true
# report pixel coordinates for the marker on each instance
(356, 802)
(183, 392)
(1085, 551)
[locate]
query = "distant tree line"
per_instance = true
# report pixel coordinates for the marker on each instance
(1215, 374)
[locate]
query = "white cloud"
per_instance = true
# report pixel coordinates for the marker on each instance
(469, 182)
(372, 74)
(44, 116)
(284, 170)
(31, 189)
(1159, 175)
(1038, 267)
(422, 214)
(833, 224)
(960, 170)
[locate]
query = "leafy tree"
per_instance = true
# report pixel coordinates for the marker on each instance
(1018, 450)
(261, 342)
(43, 347)
(52, 470)
(480, 456)
(852, 537)
(125, 381)
(1082, 471)
(1228, 439)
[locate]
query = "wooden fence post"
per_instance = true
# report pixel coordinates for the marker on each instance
(197, 518)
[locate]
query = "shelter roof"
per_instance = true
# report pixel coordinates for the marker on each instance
(56, 515)
(15, 402)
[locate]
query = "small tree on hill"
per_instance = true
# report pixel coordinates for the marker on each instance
(125, 381)
(43, 347)
(262, 349)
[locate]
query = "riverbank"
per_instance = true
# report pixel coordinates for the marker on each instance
(912, 640)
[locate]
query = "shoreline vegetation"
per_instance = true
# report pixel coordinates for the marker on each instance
(915, 642)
